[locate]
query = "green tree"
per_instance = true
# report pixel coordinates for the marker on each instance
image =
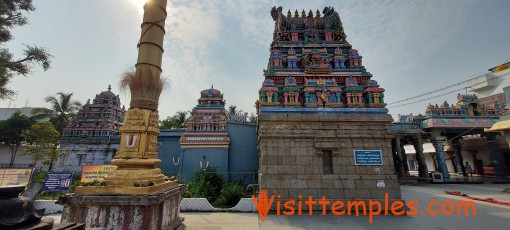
(253, 118)
(232, 110)
(205, 184)
(42, 141)
(210, 185)
(175, 122)
(11, 130)
(11, 16)
(63, 110)
(181, 117)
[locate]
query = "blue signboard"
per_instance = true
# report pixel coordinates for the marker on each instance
(368, 157)
(57, 181)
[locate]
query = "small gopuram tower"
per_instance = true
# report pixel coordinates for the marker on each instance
(322, 129)
(137, 195)
(205, 142)
(93, 137)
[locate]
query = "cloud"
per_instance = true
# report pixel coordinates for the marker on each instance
(191, 29)
(254, 19)
(394, 38)
(403, 33)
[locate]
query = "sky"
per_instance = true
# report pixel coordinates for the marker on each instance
(410, 47)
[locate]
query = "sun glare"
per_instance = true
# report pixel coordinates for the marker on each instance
(139, 4)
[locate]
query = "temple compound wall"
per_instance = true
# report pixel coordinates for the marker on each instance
(239, 160)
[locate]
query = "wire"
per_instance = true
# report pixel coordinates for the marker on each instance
(428, 98)
(438, 90)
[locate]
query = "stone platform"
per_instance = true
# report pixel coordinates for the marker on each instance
(311, 153)
(159, 210)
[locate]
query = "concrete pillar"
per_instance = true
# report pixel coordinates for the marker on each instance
(422, 165)
(441, 164)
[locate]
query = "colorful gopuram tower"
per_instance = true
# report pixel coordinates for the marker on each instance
(93, 137)
(205, 142)
(207, 125)
(322, 129)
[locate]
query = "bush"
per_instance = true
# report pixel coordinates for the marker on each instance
(229, 196)
(205, 184)
(40, 176)
(210, 185)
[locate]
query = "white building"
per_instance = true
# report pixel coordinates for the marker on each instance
(492, 84)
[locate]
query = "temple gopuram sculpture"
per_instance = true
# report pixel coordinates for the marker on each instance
(207, 125)
(206, 142)
(316, 51)
(467, 105)
(321, 115)
(93, 137)
(448, 123)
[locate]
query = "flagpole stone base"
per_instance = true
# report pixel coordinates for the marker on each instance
(158, 210)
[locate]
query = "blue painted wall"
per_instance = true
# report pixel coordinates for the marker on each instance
(237, 163)
(243, 154)
(169, 150)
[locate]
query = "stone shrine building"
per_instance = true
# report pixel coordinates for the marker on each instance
(323, 128)
(93, 137)
(206, 139)
(212, 138)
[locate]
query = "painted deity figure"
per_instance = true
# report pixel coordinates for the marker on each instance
(350, 81)
(291, 51)
(290, 81)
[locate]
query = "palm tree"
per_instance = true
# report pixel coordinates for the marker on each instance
(181, 119)
(253, 118)
(232, 110)
(177, 121)
(63, 110)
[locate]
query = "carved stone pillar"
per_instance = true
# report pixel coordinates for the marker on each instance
(459, 160)
(422, 164)
(440, 159)
(396, 149)
(404, 158)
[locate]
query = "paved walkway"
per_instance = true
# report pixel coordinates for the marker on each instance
(488, 216)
